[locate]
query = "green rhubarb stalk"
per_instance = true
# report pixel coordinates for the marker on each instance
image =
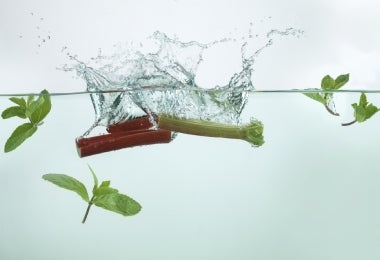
(251, 132)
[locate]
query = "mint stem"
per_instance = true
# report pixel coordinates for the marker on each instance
(330, 111)
(251, 132)
(349, 123)
(88, 209)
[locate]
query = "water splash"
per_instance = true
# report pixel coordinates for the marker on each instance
(164, 80)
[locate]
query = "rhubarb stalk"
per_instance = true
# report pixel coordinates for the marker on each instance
(114, 141)
(252, 132)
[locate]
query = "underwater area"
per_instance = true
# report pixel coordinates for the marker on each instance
(257, 134)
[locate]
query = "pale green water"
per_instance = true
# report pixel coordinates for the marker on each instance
(310, 192)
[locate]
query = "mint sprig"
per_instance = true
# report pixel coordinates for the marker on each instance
(34, 110)
(103, 195)
(329, 84)
(362, 110)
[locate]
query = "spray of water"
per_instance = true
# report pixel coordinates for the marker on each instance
(131, 82)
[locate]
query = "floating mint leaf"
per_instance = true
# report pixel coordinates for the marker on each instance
(69, 183)
(341, 80)
(118, 203)
(19, 135)
(14, 111)
(327, 82)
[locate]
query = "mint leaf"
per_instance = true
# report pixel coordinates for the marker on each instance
(118, 203)
(33, 105)
(40, 108)
(363, 110)
(327, 82)
(19, 101)
(14, 111)
(104, 190)
(69, 183)
(105, 184)
(371, 110)
(316, 96)
(19, 135)
(95, 179)
(359, 113)
(363, 100)
(341, 80)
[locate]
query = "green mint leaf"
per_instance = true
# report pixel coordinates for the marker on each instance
(104, 190)
(29, 100)
(118, 203)
(69, 183)
(363, 100)
(359, 113)
(371, 110)
(363, 110)
(19, 101)
(316, 96)
(94, 177)
(105, 184)
(341, 80)
(327, 82)
(19, 135)
(13, 111)
(34, 105)
(39, 109)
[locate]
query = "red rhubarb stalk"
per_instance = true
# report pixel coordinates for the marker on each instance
(138, 123)
(114, 141)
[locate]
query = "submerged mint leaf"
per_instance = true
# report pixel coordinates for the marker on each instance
(33, 105)
(34, 110)
(118, 203)
(19, 135)
(341, 80)
(371, 110)
(316, 96)
(363, 100)
(363, 111)
(69, 183)
(43, 107)
(104, 190)
(359, 113)
(14, 111)
(19, 101)
(94, 177)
